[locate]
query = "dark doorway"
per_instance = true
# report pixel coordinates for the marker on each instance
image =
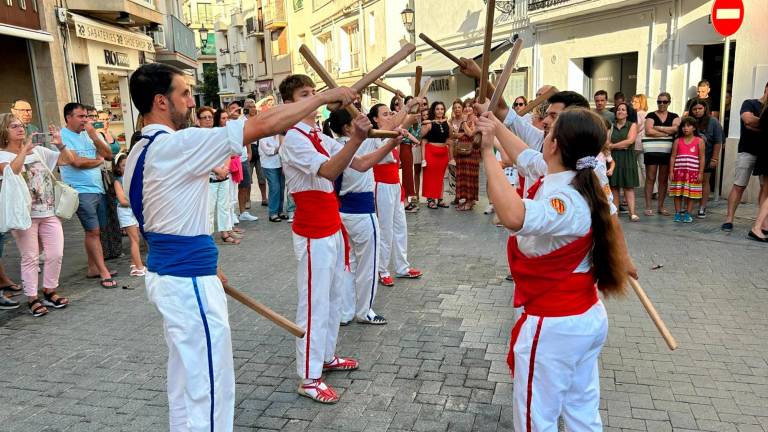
(611, 73)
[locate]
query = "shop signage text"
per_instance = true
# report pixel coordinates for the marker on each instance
(115, 58)
(102, 33)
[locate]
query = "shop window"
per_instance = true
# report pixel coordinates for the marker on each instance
(111, 100)
(440, 85)
(616, 73)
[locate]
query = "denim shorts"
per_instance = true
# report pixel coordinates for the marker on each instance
(92, 211)
(2, 243)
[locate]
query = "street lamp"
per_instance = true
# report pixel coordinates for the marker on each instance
(407, 16)
(203, 37)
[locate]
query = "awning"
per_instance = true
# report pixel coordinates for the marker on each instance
(435, 64)
(87, 28)
(25, 33)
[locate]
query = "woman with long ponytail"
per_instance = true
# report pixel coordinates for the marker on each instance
(564, 249)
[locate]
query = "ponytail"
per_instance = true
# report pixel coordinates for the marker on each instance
(579, 133)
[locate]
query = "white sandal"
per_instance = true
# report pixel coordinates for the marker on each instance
(135, 271)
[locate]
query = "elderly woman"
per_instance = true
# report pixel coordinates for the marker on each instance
(709, 128)
(660, 129)
(37, 164)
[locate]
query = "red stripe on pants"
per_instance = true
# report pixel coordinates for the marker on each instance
(309, 307)
(530, 373)
(437, 161)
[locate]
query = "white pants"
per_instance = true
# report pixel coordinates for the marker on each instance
(360, 288)
(320, 280)
(219, 206)
(564, 371)
(201, 378)
(234, 203)
(394, 230)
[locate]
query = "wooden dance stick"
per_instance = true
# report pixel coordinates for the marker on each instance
(490, 8)
(264, 311)
(379, 71)
(441, 50)
(331, 83)
(501, 83)
(538, 101)
(389, 88)
(417, 83)
(422, 93)
(668, 338)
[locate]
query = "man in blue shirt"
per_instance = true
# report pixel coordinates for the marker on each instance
(84, 175)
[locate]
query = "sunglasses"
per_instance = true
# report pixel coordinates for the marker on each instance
(662, 102)
(519, 103)
(206, 118)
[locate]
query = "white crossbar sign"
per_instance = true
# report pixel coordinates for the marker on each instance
(725, 14)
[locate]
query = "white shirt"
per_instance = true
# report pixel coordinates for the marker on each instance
(546, 229)
(268, 152)
(524, 129)
(356, 181)
(301, 161)
(176, 172)
(381, 142)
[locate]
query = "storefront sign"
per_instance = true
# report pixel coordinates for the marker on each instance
(115, 58)
(88, 29)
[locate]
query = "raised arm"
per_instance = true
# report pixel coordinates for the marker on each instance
(510, 142)
(367, 161)
(102, 149)
(281, 117)
(508, 204)
(332, 168)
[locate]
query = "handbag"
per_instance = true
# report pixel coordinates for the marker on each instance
(657, 145)
(464, 147)
(65, 196)
(15, 202)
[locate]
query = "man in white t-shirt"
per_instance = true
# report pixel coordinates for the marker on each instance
(166, 179)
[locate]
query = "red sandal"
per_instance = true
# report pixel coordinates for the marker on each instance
(319, 391)
(340, 364)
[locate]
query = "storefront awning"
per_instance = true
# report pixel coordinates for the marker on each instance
(87, 28)
(435, 64)
(25, 33)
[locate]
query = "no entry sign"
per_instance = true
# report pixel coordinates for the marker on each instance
(727, 16)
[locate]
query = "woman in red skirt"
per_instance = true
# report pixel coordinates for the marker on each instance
(437, 155)
(467, 161)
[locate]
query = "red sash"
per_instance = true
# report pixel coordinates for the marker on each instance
(389, 173)
(317, 212)
(546, 286)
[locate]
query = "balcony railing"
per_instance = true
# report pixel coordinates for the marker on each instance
(274, 14)
(534, 5)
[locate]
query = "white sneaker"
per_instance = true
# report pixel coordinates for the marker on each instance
(489, 209)
(247, 217)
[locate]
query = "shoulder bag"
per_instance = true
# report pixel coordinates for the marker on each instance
(65, 196)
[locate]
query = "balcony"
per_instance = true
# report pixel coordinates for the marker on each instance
(129, 13)
(239, 57)
(254, 27)
(534, 5)
(221, 24)
(237, 18)
(542, 11)
(180, 49)
(274, 15)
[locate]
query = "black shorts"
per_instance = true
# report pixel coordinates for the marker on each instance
(246, 182)
(656, 158)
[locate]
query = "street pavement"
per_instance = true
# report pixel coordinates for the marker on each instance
(439, 365)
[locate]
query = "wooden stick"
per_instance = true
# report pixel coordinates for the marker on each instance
(501, 84)
(264, 311)
(422, 93)
(417, 83)
(389, 88)
(315, 64)
(668, 338)
(538, 101)
(490, 8)
(379, 71)
(441, 50)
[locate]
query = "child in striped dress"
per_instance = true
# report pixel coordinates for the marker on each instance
(687, 169)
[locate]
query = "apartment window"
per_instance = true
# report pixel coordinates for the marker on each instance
(205, 14)
(350, 50)
(263, 50)
(371, 29)
(298, 5)
(250, 70)
(325, 51)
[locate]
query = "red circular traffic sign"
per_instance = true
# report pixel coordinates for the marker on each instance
(727, 16)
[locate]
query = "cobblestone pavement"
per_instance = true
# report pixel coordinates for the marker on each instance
(99, 364)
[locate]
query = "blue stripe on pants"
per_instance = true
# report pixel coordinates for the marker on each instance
(207, 342)
(375, 264)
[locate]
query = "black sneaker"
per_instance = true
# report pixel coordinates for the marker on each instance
(623, 209)
(727, 227)
(6, 303)
(702, 214)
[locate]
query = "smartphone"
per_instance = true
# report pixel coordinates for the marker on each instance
(41, 139)
(98, 125)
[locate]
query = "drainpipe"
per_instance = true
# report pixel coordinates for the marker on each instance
(537, 63)
(363, 43)
(670, 43)
(651, 41)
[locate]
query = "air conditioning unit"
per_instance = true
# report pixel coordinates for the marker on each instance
(158, 37)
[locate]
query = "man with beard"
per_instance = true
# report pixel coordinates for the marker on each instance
(166, 180)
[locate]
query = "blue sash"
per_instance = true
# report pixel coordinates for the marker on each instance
(357, 203)
(169, 254)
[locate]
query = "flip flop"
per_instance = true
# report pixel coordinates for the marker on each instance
(105, 283)
(664, 212)
(648, 212)
(111, 273)
(13, 287)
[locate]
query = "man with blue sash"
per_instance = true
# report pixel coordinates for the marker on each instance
(358, 213)
(166, 179)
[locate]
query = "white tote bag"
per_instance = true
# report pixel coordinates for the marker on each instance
(66, 198)
(15, 202)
